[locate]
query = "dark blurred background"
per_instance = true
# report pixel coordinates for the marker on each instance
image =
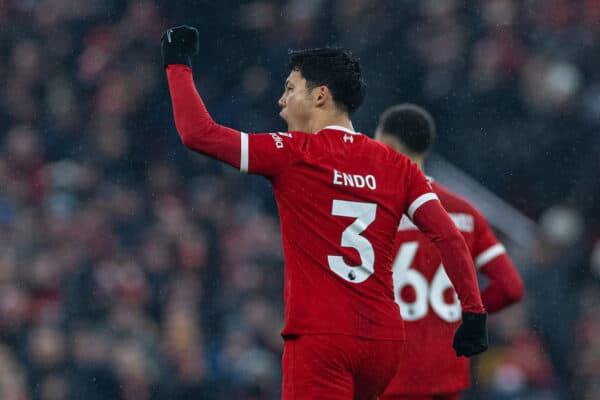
(133, 269)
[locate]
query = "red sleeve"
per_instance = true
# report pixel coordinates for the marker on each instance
(259, 153)
(431, 218)
(505, 286)
(196, 128)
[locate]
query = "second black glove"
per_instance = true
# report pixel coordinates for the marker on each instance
(471, 337)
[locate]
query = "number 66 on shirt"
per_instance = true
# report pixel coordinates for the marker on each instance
(429, 305)
(425, 293)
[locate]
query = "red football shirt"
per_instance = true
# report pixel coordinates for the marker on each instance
(340, 197)
(338, 219)
(429, 305)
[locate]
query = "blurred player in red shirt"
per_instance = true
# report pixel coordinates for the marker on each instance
(429, 369)
(340, 197)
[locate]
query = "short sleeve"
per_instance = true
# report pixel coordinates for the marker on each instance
(419, 190)
(268, 154)
(486, 247)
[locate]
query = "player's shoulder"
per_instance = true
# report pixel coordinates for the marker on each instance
(383, 151)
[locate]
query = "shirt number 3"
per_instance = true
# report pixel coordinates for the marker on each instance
(351, 237)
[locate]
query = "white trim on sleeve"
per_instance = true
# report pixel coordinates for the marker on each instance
(244, 153)
(488, 255)
(419, 201)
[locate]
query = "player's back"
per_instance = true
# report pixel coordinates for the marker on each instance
(340, 202)
(428, 303)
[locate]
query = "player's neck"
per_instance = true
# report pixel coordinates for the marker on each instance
(419, 161)
(417, 158)
(321, 121)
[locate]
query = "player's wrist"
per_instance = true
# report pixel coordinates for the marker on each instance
(474, 316)
(476, 323)
(175, 56)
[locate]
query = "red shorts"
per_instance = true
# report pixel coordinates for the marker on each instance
(337, 367)
(444, 396)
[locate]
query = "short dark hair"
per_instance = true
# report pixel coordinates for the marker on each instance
(411, 124)
(335, 68)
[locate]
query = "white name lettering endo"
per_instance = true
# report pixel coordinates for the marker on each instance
(357, 181)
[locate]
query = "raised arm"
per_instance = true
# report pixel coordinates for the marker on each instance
(194, 124)
(265, 154)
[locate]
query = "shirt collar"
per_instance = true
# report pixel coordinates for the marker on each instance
(340, 128)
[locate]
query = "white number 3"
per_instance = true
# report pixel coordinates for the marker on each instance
(365, 215)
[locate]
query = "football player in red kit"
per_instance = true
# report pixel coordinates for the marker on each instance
(340, 197)
(429, 369)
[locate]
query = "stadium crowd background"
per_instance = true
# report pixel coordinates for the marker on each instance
(133, 269)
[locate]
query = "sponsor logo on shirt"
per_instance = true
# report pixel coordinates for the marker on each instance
(354, 180)
(278, 140)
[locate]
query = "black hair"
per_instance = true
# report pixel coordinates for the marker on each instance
(335, 68)
(411, 124)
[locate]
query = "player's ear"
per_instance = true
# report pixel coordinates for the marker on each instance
(321, 93)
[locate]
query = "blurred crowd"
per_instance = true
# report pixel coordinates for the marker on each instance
(133, 269)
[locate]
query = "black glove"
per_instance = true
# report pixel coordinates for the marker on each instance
(471, 336)
(178, 45)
